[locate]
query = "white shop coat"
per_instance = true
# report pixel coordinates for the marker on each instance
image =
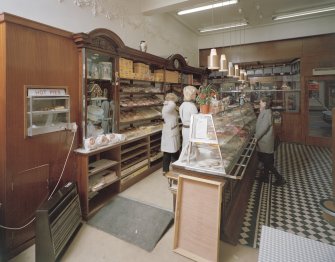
(170, 142)
(186, 109)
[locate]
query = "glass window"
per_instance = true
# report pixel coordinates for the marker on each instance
(321, 100)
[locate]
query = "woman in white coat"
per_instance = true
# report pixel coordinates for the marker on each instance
(186, 109)
(170, 143)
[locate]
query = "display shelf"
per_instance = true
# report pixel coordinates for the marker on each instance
(47, 110)
(130, 177)
(128, 156)
(133, 168)
(105, 178)
(284, 90)
(137, 157)
(152, 146)
(100, 165)
(123, 79)
(124, 108)
(98, 101)
(139, 120)
(153, 140)
(123, 93)
(97, 98)
(217, 141)
(133, 147)
(156, 156)
(100, 199)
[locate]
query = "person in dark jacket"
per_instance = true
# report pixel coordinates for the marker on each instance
(265, 142)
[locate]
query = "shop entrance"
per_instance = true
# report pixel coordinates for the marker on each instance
(321, 100)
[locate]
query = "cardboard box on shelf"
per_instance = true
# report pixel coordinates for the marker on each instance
(159, 75)
(167, 76)
(141, 68)
(126, 63)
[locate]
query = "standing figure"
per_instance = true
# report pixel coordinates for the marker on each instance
(170, 143)
(265, 142)
(187, 109)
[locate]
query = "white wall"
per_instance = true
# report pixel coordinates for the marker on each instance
(281, 30)
(164, 35)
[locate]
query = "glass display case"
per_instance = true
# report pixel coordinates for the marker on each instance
(283, 90)
(98, 94)
(47, 110)
(217, 141)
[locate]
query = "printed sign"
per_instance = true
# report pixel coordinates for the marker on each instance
(46, 92)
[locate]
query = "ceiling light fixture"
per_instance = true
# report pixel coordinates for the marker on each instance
(302, 13)
(222, 27)
(207, 7)
(212, 60)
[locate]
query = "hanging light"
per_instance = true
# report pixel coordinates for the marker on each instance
(212, 60)
(237, 71)
(223, 63)
(242, 75)
(230, 69)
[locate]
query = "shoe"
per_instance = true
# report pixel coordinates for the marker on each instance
(279, 182)
(263, 179)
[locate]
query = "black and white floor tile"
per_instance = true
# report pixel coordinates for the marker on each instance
(293, 207)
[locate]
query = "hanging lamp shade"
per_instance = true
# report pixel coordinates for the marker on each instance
(212, 60)
(230, 69)
(223, 63)
(245, 75)
(242, 75)
(237, 71)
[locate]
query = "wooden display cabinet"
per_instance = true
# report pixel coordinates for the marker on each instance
(98, 177)
(136, 86)
(134, 160)
(104, 172)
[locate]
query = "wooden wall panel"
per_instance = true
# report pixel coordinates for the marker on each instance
(291, 123)
(318, 45)
(36, 55)
(310, 61)
(38, 58)
(2, 133)
(28, 181)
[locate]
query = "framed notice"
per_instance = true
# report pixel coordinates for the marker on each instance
(197, 218)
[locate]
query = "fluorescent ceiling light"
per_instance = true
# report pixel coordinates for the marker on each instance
(302, 13)
(222, 27)
(206, 7)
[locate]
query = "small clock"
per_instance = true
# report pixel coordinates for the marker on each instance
(176, 63)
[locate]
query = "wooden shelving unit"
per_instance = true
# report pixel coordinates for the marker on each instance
(137, 157)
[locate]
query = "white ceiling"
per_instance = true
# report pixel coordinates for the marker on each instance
(256, 12)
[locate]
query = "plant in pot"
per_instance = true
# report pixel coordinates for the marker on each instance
(205, 95)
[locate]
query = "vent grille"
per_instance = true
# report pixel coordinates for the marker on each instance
(56, 222)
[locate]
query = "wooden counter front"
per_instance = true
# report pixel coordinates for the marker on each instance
(235, 196)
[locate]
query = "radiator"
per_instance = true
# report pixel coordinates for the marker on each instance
(57, 220)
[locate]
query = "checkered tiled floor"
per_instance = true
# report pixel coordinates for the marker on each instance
(295, 206)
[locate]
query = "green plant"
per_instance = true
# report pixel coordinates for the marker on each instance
(205, 95)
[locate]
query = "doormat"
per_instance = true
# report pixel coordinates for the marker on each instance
(294, 207)
(132, 221)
